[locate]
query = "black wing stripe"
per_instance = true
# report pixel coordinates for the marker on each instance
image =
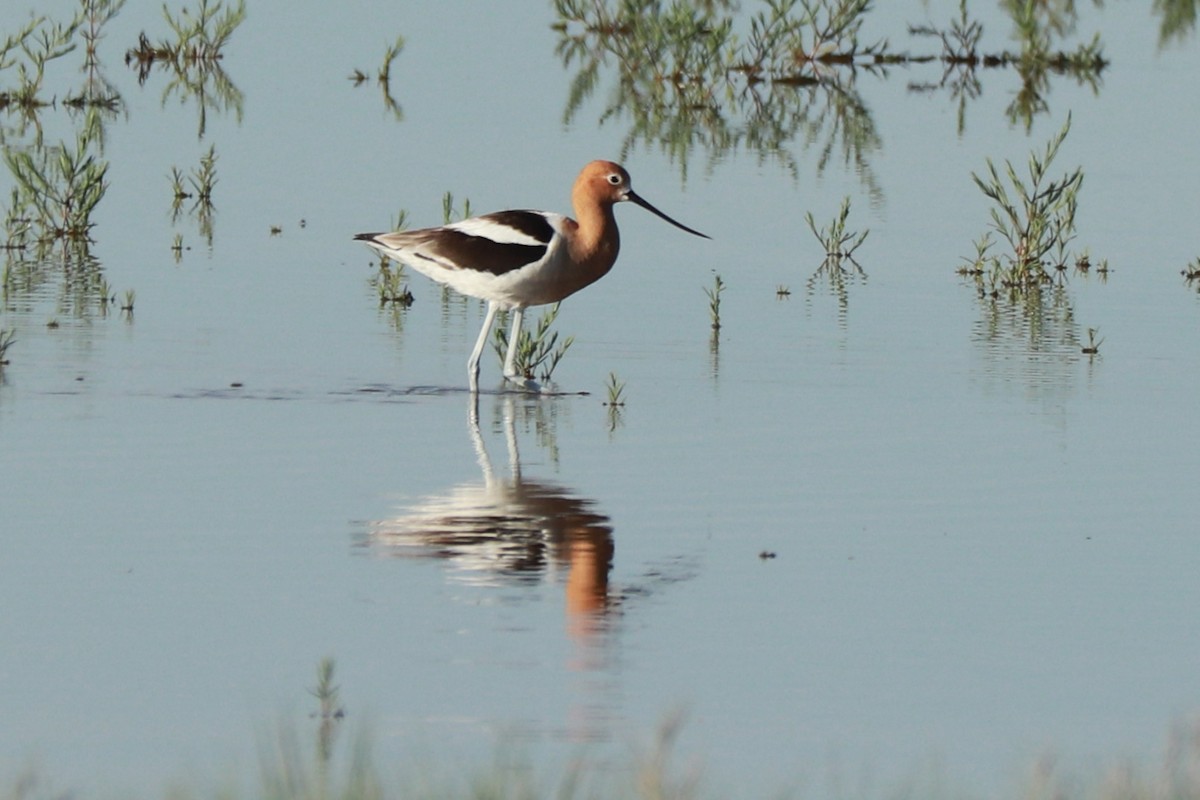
(482, 254)
(530, 223)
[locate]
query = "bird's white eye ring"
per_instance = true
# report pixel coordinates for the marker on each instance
(614, 179)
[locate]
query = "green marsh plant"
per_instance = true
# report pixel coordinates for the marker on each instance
(1191, 273)
(389, 56)
(200, 36)
(389, 282)
(30, 49)
(204, 179)
(105, 294)
(789, 33)
(689, 77)
(179, 193)
(961, 57)
(1034, 214)
(97, 91)
(615, 404)
(450, 213)
(960, 41)
(329, 712)
(838, 269)
(539, 351)
(199, 186)
(714, 302)
(127, 303)
(838, 242)
(383, 77)
(7, 339)
(193, 57)
(616, 391)
(56, 190)
(686, 81)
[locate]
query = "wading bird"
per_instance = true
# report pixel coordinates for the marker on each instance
(517, 259)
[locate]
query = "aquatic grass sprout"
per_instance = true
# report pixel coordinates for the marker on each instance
(616, 391)
(450, 213)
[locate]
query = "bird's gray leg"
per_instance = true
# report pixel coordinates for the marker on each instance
(473, 361)
(510, 361)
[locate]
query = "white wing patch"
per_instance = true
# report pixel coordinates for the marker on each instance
(489, 227)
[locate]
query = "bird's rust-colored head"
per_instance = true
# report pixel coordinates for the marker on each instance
(604, 183)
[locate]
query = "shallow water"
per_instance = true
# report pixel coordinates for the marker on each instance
(984, 541)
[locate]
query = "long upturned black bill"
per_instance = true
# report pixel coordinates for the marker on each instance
(636, 198)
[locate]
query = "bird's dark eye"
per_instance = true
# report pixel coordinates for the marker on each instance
(614, 179)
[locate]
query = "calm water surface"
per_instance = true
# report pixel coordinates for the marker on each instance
(985, 541)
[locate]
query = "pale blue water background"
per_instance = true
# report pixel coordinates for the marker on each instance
(982, 552)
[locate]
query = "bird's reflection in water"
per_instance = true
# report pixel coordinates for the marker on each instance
(510, 529)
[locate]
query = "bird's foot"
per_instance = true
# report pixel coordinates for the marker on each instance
(523, 383)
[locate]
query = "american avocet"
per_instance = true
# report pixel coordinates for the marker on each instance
(517, 259)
